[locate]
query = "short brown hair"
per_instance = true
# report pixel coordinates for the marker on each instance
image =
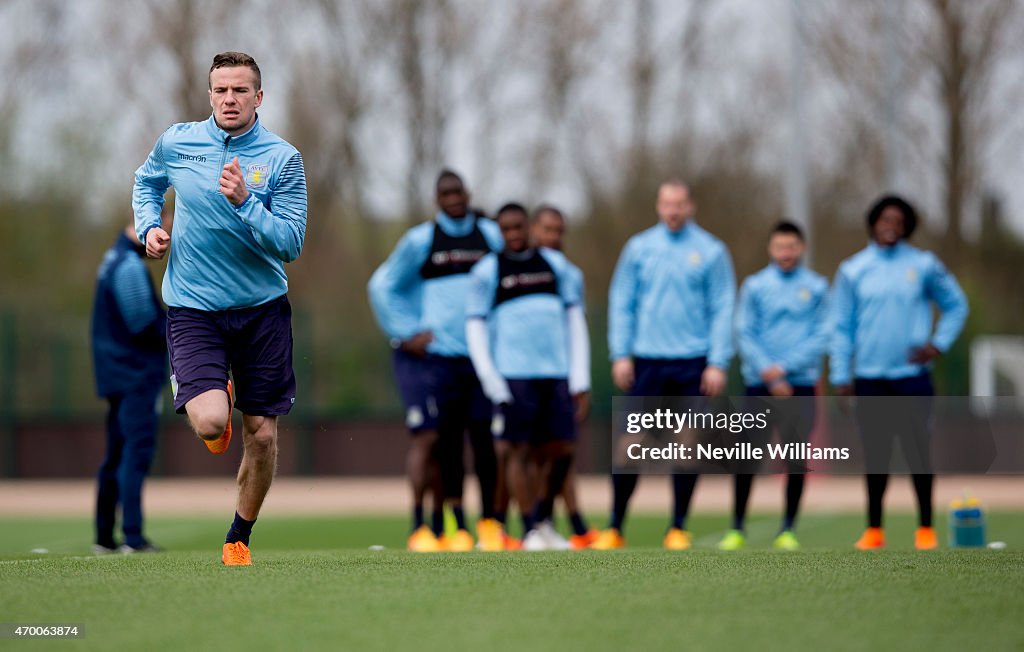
(232, 60)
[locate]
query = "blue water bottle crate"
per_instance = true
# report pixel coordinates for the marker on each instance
(966, 523)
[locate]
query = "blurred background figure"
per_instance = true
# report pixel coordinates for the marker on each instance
(418, 296)
(129, 349)
(884, 344)
(670, 311)
(782, 334)
(547, 229)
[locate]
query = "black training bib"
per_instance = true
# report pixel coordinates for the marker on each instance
(451, 255)
(518, 278)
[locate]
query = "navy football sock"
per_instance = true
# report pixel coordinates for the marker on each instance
(682, 491)
(742, 483)
(876, 491)
(579, 526)
(417, 517)
(794, 489)
(923, 491)
(437, 523)
(460, 518)
(623, 485)
(240, 530)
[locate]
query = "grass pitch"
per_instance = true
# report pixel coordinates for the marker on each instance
(315, 585)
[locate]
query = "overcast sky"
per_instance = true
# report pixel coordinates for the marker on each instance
(87, 105)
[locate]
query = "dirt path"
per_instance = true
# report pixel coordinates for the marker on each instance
(330, 495)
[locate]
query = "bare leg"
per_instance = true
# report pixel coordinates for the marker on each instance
(501, 494)
(569, 491)
(208, 413)
(418, 463)
(519, 485)
(259, 463)
(556, 460)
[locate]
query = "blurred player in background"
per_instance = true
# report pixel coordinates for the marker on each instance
(240, 214)
(129, 330)
(547, 229)
(419, 297)
(782, 335)
(670, 311)
(415, 386)
(883, 345)
(529, 344)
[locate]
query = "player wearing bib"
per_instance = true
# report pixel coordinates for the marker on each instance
(528, 341)
(547, 229)
(419, 298)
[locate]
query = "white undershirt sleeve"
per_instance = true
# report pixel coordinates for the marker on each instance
(493, 384)
(579, 351)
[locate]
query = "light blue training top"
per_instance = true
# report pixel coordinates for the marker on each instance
(223, 256)
(881, 310)
(782, 319)
(672, 297)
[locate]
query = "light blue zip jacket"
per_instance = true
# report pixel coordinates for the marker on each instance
(672, 297)
(222, 256)
(781, 320)
(406, 303)
(881, 308)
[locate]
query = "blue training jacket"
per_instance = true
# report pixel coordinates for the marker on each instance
(672, 297)
(424, 283)
(222, 256)
(881, 311)
(129, 326)
(782, 319)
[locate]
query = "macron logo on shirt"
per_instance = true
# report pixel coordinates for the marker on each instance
(192, 157)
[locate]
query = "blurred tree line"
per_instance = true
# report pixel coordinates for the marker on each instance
(586, 103)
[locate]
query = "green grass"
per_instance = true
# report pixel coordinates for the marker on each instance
(315, 585)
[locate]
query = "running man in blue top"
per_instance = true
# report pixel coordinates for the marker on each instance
(782, 333)
(883, 345)
(669, 331)
(418, 296)
(239, 216)
(529, 344)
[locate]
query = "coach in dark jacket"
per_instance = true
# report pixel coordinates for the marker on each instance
(130, 360)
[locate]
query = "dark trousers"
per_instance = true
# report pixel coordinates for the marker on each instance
(881, 423)
(679, 377)
(131, 442)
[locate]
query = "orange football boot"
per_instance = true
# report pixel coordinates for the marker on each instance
(585, 540)
(236, 554)
(610, 539)
(925, 539)
(512, 543)
(872, 539)
(423, 540)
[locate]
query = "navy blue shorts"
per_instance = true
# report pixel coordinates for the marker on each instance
(668, 377)
(793, 420)
(255, 344)
(460, 399)
(881, 422)
(417, 387)
(541, 411)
